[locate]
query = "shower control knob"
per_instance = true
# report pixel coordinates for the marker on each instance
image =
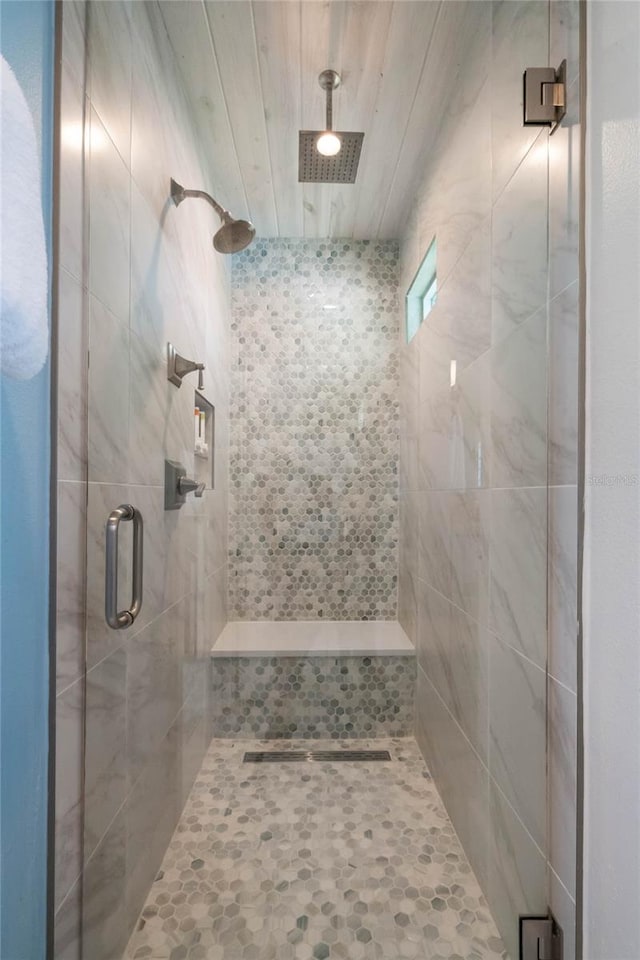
(187, 485)
(177, 485)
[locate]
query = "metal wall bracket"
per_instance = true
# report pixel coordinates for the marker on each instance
(545, 96)
(540, 939)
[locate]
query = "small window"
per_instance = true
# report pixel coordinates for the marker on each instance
(422, 294)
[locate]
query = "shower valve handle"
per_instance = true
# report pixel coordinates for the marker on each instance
(187, 485)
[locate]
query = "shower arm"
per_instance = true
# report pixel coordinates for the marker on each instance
(329, 80)
(178, 194)
(329, 108)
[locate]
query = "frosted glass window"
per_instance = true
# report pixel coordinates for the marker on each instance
(422, 294)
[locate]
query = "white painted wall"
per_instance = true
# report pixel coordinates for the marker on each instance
(612, 502)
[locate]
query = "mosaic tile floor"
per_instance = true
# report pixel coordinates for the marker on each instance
(316, 861)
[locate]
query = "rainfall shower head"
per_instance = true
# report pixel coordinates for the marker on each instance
(328, 156)
(233, 235)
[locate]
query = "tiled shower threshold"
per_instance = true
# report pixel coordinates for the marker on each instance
(317, 861)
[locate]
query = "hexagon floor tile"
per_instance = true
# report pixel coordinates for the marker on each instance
(319, 861)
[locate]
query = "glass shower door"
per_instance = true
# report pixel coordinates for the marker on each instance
(153, 600)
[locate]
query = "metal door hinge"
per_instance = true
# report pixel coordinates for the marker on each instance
(540, 939)
(545, 96)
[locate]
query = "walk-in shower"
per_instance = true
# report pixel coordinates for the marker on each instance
(369, 596)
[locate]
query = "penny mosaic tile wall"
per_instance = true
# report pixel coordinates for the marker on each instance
(314, 431)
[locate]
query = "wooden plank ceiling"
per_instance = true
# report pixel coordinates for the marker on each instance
(251, 70)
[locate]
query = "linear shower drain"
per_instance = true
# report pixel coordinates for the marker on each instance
(314, 756)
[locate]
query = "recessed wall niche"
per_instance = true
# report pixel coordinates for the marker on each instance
(204, 435)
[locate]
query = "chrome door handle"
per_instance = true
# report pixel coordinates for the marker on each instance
(119, 620)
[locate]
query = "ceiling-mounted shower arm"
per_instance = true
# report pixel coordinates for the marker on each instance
(178, 194)
(329, 80)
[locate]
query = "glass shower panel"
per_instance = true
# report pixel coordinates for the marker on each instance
(387, 527)
(155, 592)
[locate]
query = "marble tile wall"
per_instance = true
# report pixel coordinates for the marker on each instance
(488, 507)
(134, 273)
(314, 431)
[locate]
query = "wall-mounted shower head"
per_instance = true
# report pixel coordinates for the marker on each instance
(233, 235)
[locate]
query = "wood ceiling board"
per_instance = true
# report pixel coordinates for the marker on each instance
(409, 36)
(234, 44)
(278, 32)
(363, 48)
(320, 48)
(425, 118)
(189, 35)
(251, 69)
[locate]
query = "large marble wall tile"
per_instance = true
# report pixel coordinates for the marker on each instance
(214, 531)
(517, 871)
(74, 30)
(473, 421)
(408, 475)
(469, 538)
(454, 449)
(564, 193)
(563, 908)
(494, 449)
(460, 322)
(109, 227)
(160, 416)
(110, 54)
(462, 780)
(105, 746)
(459, 192)
(434, 546)
(563, 582)
(150, 275)
(67, 926)
(108, 407)
(518, 570)
(70, 583)
(152, 809)
(564, 36)
(73, 144)
(563, 387)
(520, 40)
(105, 930)
(408, 602)
(216, 608)
(519, 245)
(69, 790)
(468, 679)
(408, 382)
(517, 735)
(155, 140)
(563, 715)
(453, 653)
(441, 457)
(519, 406)
(434, 635)
(194, 738)
(154, 689)
(160, 311)
(73, 357)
